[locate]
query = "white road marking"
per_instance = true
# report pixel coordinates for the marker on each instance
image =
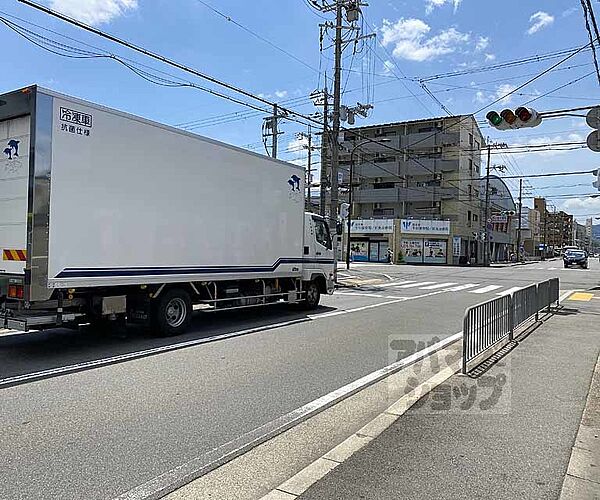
(486, 289)
(414, 285)
(439, 285)
(366, 294)
(171, 480)
(396, 283)
(98, 363)
(295, 486)
(509, 291)
(463, 287)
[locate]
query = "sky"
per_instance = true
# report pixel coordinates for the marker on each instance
(272, 49)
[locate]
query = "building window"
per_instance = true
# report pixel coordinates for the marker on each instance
(384, 185)
(475, 218)
(469, 216)
(383, 211)
(477, 146)
(470, 139)
(470, 165)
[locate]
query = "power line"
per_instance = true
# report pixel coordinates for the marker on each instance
(166, 60)
(256, 35)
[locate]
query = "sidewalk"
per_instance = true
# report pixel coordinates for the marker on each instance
(512, 445)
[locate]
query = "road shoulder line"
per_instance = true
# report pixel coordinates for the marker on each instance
(300, 482)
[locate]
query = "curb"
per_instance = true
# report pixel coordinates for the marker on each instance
(303, 480)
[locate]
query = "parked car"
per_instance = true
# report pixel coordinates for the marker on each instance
(576, 257)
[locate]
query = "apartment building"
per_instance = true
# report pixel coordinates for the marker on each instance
(417, 170)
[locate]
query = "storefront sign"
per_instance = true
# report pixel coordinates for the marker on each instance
(412, 250)
(359, 251)
(456, 246)
(409, 226)
(369, 226)
(435, 251)
(499, 219)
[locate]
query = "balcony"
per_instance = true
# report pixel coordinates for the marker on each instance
(426, 140)
(399, 194)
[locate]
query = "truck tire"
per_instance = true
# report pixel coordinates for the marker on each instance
(312, 297)
(172, 313)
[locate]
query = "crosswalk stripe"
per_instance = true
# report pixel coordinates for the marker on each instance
(463, 287)
(439, 285)
(396, 283)
(509, 291)
(486, 289)
(413, 285)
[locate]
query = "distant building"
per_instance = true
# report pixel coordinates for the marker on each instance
(502, 218)
(425, 170)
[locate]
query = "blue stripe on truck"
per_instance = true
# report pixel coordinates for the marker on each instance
(165, 271)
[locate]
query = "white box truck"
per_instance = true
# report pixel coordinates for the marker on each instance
(105, 215)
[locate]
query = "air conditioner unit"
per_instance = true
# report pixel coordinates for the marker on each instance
(377, 179)
(437, 204)
(377, 205)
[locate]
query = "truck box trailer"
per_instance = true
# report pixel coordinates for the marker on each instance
(105, 215)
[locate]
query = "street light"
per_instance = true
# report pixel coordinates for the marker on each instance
(351, 189)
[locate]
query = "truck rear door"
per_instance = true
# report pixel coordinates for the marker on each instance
(14, 182)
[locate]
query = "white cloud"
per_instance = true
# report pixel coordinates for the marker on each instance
(281, 94)
(480, 97)
(490, 57)
(482, 43)
(409, 38)
(430, 5)
(582, 205)
(94, 12)
(570, 12)
(503, 90)
(538, 21)
(388, 67)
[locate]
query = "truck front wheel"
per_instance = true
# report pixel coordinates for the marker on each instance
(312, 297)
(172, 313)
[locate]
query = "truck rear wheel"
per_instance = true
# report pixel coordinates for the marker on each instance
(312, 297)
(172, 313)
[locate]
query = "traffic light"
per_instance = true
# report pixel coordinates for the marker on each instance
(519, 118)
(593, 140)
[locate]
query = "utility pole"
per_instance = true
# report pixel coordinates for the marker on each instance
(486, 241)
(324, 150)
(520, 220)
(275, 130)
(335, 150)
(309, 147)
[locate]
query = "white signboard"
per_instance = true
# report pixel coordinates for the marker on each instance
(456, 246)
(499, 219)
(381, 226)
(440, 227)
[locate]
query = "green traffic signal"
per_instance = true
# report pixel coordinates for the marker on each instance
(494, 118)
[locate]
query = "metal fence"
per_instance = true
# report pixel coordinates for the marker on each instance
(487, 324)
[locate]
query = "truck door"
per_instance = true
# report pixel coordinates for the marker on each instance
(14, 182)
(318, 252)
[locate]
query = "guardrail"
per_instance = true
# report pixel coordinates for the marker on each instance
(486, 325)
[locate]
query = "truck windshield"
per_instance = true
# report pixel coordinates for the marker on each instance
(322, 233)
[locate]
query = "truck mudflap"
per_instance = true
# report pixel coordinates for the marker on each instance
(330, 285)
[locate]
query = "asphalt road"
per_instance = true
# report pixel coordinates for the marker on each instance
(100, 432)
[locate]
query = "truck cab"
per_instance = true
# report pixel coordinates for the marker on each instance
(318, 260)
